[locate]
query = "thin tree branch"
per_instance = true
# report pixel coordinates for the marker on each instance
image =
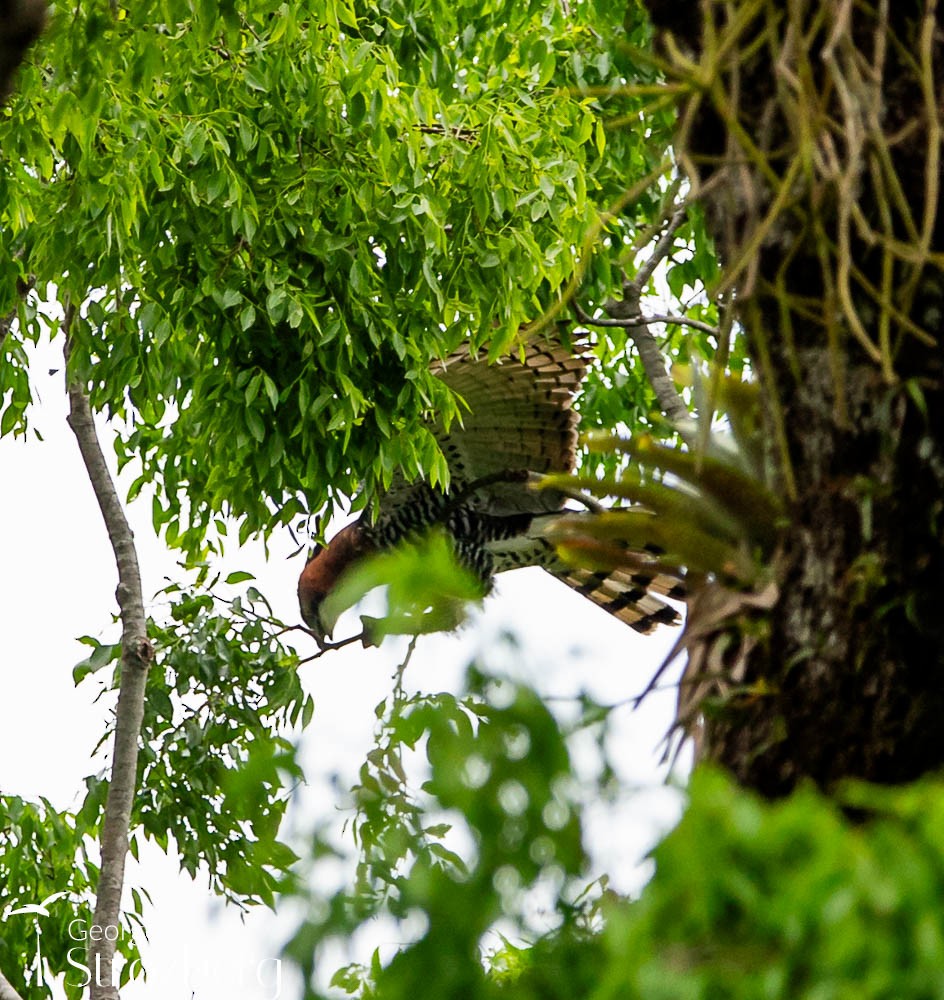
(631, 322)
(627, 313)
(326, 647)
(6, 990)
(653, 363)
(661, 250)
(136, 656)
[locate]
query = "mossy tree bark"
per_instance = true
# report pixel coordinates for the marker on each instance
(812, 132)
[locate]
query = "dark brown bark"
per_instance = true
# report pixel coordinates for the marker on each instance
(825, 199)
(21, 22)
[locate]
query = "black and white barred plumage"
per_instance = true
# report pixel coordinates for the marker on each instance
(519, 421)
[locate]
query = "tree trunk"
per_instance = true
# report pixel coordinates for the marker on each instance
(812, 132)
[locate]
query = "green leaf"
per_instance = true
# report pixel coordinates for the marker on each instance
(256, 77)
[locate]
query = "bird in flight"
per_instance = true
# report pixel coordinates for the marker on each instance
(520, 421)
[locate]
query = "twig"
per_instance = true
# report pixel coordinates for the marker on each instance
(280, 627)
(327, 647)
(455, 131)
(136, 656)
(662, 249)
(630, 322)
(398, 692)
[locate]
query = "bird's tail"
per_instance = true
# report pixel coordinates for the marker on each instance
(632, 592)
(632, 597)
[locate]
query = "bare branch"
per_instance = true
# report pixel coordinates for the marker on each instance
(662, 249)
(653, 363)
(627, 313)
(136, 656)
(398, 693)
(326, 647)
(630, 322)
(6, 990)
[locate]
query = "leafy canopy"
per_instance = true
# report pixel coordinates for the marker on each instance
(271, 220)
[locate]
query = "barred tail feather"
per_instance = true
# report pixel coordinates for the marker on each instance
(630, 597)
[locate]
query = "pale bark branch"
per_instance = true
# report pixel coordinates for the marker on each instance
(662, 249)
(6, 990)
(136, 656)
(650, 354)
(627, 313)
(630, 322)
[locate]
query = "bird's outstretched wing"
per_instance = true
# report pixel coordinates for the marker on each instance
(516, 415)
(519, 416)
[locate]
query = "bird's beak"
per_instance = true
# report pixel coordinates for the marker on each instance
(320, 624)
(311, 615)
(326, 620)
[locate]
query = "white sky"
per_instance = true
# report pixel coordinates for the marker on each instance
(58, 582)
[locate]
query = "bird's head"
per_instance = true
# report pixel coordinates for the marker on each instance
(323, 571)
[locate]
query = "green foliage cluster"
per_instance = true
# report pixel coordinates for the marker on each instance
(425, 589)
(47, 879)
(496, 815)
(215, 767)
(273, 218)
(788, 900)
(216, 773)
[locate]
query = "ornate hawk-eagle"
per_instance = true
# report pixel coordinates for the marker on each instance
(520, 420)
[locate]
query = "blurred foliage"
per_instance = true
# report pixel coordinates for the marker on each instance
(495, 815)
(427, 590)
(786, 900)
